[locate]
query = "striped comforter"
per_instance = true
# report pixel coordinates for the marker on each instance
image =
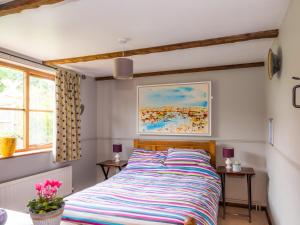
(149, 196)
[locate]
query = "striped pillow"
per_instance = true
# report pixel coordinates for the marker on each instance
(187, 157)
(146, 158)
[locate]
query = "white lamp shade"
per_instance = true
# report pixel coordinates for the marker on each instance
(123, 68)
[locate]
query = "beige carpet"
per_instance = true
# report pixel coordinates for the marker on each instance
(258, 217)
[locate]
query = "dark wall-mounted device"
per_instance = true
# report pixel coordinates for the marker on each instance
(274, 64)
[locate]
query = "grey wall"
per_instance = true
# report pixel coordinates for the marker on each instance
(84, 172)
(238, 120)
(283, 159)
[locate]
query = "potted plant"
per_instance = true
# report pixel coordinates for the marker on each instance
(47, 208)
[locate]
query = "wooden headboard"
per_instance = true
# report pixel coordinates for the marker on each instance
(160, 145)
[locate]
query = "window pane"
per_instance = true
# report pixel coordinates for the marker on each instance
(11, 124)
(41, 93)
(40, 128)
(11, 88)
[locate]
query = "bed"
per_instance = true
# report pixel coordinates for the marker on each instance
(152, 196)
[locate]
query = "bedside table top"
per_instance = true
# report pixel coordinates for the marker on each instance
(244, 171)
(112, 163)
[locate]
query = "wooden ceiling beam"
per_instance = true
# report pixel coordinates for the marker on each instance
(170, 47)
(17, 6)
(192, 70)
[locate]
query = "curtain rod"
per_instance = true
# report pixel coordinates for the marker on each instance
(83, 76)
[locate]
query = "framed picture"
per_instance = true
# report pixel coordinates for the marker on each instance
(174, 109)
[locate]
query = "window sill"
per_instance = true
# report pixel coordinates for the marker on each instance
(33, 152)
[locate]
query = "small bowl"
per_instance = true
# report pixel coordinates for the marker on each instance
(3, 216)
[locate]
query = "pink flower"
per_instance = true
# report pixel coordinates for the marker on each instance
(48, 189)
(38, 187)
(47, 183)
(57, 183)
(53, 183)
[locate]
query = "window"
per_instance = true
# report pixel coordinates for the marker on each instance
(27, 100)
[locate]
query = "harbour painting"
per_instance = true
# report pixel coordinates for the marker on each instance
(174, 109)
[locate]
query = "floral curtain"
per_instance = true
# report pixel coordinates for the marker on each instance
(67, 116)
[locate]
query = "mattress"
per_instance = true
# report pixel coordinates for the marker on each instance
(149, 196)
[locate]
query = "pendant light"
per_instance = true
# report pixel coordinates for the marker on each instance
(123, 67)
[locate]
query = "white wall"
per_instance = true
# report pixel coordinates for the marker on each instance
(283, 160)
(238, 120)
(84, 172)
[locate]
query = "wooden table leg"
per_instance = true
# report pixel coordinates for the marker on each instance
(105, 172)
(249, 196)
(223, 195)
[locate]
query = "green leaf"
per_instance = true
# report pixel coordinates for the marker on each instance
(42, 205)
(41, 212)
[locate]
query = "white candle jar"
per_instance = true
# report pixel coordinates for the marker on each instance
(236, 167)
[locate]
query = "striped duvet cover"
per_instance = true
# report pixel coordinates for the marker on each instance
(149, 196)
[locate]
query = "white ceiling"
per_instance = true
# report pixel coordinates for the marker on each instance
(82, 27)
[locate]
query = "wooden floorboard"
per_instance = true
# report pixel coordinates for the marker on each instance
(237, 216)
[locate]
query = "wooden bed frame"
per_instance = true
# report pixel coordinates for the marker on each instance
(159, 145)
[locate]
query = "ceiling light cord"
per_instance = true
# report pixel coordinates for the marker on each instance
(123, 42)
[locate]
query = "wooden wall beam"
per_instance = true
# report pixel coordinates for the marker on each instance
(17, 6)
(170, 47)
(192, 70)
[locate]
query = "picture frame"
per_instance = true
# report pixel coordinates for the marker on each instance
(174, 109)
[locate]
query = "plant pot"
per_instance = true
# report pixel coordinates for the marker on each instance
(7, 146)
(50, 218)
